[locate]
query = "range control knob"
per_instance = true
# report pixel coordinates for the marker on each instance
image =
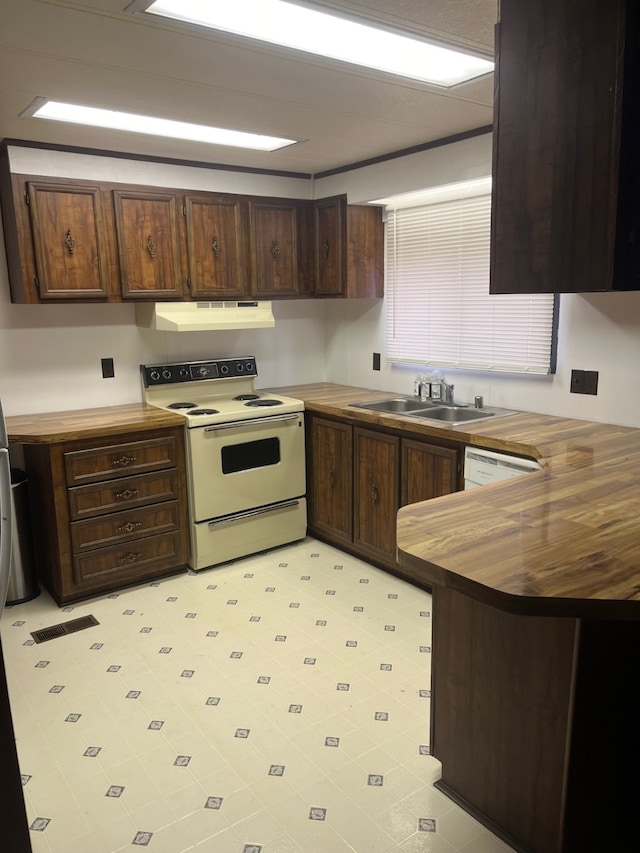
(155, 375)
(184, 372)
(250, 366)
(203, 371)
(239, 367)
(224, 369)
(166, 373)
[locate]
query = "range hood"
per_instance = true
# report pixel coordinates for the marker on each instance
(204, 316)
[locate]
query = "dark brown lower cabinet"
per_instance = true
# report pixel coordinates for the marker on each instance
(534, 724)
(330, 479)
(376, 497)
(108, 512)
(358, 478)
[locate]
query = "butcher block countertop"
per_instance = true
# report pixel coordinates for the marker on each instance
(563, 541)
(53, 427)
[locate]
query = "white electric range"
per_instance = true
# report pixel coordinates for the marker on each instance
(245, 456)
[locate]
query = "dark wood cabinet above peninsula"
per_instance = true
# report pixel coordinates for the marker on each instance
(566, 173)
(72, 240)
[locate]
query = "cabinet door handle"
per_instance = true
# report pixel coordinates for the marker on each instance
(275, 250)
(215, 245)
(130, 557)
(374, 495)
(129, 527)
(70, 242)
(151, 247)
(124, 460)
(325, 249)
(127, 494)
(332, 479)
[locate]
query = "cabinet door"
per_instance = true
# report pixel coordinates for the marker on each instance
(217, 247)
(330, 239)
(68, 241)
(331, 478)
(148, 244)
(275, 248)
(428, 471)
(557, 115)
(376, 458)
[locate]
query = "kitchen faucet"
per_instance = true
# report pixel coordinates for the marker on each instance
(447, 390)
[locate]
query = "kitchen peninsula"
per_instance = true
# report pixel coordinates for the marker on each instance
(536, 614)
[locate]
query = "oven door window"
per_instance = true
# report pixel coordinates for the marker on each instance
(250, 454)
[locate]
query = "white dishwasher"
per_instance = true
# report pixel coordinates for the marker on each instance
(482, 467)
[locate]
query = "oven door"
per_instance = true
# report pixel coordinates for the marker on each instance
(245, 464)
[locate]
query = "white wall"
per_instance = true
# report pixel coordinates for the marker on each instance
(50, 355)
(596, 331)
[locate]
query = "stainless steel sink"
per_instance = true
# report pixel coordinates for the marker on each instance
(450, 413)
(399, 405)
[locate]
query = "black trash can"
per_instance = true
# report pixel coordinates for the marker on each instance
(23, 583)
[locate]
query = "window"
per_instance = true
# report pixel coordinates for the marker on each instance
(439, 310)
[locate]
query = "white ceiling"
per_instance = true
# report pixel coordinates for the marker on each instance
(92, 52)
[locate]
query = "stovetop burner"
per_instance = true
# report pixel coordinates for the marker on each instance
(182, 406)
(203, 411)
(247, 397)
(264, 403)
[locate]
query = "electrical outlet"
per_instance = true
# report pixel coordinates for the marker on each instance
(584, 382)
(376, 361)
(107, 368)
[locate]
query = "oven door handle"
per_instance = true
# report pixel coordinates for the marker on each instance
(250, 513)
(253, 422)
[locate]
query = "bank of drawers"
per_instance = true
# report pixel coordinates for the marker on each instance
(126, 510)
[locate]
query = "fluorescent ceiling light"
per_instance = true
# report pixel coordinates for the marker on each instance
(115, 120)
(435, 195)
(313, 31)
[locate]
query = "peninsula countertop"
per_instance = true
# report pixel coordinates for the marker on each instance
(561, 541)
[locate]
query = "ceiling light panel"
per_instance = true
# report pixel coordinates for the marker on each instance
(313, 31)
(116, 120)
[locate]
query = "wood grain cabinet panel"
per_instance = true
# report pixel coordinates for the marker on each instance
(136, 457)
(68, 241)
(118, 527)
(331, 479)
(99, 530)
(274, 231)
(565, 203)
(349, 244)
(148, 243)
(428, 471)
(217, 241)
(376, 484)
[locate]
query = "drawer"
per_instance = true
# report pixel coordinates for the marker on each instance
(117, 460)
(120, 527)
(115, 495)
(130, 562)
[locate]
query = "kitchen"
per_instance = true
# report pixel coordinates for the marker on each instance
(313, 340)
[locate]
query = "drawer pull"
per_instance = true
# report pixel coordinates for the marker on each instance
(129, 527)
(374, 495)
(130, 557)
(124, 460)
(332, 478)
(126, 494)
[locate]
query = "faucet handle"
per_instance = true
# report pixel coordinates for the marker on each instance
(479, 401)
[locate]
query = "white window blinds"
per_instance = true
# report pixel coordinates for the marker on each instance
(439, 310)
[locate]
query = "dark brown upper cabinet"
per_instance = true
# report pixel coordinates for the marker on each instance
(566, 185)
(147, 229)
(69, 246)
(274, 231)
(349, 249)
(217, 242)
